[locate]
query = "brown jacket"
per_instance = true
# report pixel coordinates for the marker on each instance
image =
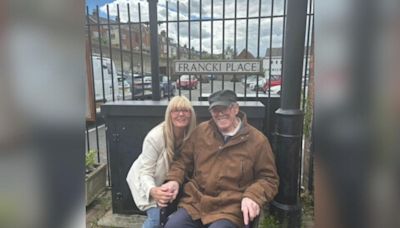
(223, 174)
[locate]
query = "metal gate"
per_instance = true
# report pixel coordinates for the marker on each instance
(123, 59)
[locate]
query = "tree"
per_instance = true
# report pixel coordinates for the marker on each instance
(229, 52)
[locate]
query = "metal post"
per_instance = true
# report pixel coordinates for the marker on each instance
(290, 118)
(155, 71)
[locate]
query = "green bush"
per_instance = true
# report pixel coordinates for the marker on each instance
(269, 221)
(308, 114)
(90, 159)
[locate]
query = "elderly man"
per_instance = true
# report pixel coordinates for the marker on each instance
(233, 170)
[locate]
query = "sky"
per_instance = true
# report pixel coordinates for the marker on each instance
(253, 46)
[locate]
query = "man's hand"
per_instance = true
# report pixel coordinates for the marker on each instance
(250, 210)
(173, 188)
(161, 195)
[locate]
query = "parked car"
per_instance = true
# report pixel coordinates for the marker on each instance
(123, 85)
(106, 80)
(128, 76)
(142, 82)
(167, 88)
(202, 78)
(205, 78)
(235, 78)
(142, 87)
(275, 81)
(187, 82)
(211, 77)
(257, 86)
(275, 90)
(246, 81)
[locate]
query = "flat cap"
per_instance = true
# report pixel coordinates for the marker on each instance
(222, 98)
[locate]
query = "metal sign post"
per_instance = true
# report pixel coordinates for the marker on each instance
(290, 118)
(155, 67)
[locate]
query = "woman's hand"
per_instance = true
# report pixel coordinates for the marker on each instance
(162, 195)
(173, 187)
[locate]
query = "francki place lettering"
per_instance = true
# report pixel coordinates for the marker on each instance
(218, 66)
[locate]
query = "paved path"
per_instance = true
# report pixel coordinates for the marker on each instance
(99, 214)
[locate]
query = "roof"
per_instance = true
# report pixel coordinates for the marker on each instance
(243, 55)
(93, 19)
(274, 52)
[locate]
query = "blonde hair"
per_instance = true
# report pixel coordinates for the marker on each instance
(177, 102)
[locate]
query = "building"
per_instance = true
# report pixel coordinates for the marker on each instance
(274, 59)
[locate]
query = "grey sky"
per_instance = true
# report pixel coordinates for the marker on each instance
(217, 26)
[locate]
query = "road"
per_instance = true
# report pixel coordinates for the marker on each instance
(215, 85)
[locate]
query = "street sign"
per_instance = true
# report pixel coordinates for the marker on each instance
(211, 66)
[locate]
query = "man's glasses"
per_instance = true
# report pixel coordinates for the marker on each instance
(220, 109)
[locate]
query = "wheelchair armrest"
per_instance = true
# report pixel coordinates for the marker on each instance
(254, 223)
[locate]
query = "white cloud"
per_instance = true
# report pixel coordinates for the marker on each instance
(123, 9)
(206, 26)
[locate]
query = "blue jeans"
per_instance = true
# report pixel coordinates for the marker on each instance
(153, 218)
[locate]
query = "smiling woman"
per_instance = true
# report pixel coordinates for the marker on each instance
(160, 146)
